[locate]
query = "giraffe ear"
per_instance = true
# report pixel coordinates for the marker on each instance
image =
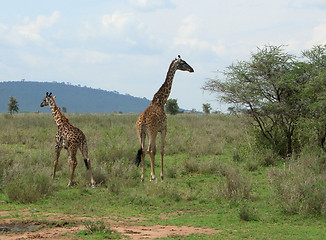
(54, 97)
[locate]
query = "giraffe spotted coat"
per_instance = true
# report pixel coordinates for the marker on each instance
(69, 137)
(153, 119)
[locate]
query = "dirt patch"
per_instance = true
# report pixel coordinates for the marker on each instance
(159, 231)
(43, 230)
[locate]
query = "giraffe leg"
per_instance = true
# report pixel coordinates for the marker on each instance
(163, 134)
(141, 152)
(143, 165)
(152, 152)
(72, 163)
(57, 150)
(84, 152)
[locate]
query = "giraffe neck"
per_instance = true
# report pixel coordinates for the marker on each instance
(59, 118)
(163, 93)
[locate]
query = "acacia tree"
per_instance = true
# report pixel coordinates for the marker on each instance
(13, 105)
(314, 94)
(171, 106)
(266, 89)
(207, 108)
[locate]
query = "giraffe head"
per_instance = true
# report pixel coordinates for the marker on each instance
(182, 65)
(47, 99)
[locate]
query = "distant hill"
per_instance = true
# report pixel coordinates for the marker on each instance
(75, 99)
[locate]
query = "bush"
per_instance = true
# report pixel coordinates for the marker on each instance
(29, 186)
(236, 186)
(248, 212)
(299, 188)
(98, 231)
(92, 227)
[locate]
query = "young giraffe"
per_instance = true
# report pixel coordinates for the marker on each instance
(68, 137)
(153, 119)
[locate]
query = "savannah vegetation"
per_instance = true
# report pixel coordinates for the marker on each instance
(216, 176)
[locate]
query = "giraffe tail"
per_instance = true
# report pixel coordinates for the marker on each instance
(84, 151)
(138, 157)
(86, 163)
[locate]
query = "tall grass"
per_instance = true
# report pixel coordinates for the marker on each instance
(300, 186)
(27, 141)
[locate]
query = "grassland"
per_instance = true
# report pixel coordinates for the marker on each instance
(214, 178)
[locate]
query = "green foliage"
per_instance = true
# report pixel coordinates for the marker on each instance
(171, 106)
(277, 91)
(207, 108)
(13, 105)
(247, 212)
(97, 230)
(92, 227)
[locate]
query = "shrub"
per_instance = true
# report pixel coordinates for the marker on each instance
(171, 171)
(29, 186)
(92, 227)
(248, 212)
(98, 231)
(191, 166)
(299, 188)
(236, 186)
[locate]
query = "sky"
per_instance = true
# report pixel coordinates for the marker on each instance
(128, 45)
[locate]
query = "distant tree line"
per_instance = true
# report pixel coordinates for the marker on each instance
(284, 95)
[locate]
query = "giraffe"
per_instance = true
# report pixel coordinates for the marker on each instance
(68, 137)
(153, 119)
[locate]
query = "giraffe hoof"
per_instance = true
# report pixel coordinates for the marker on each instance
(70, 184)
(93, 184)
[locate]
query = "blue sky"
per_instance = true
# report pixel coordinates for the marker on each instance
(128, 45)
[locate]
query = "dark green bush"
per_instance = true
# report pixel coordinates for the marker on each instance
(247, 212)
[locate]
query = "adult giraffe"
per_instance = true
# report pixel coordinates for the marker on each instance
(68, 137)
(153, 119)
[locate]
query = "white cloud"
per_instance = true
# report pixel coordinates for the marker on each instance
(319, 35)
(118, 32)
(3, 27)
(189, 26)
(32, 30)
(304, 4)
(84, 56)
(33, 60)
(116, 21)
(188, 35)
(19, 35)
(114, 26)
(150, 5)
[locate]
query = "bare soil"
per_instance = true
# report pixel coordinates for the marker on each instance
(60, 226)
